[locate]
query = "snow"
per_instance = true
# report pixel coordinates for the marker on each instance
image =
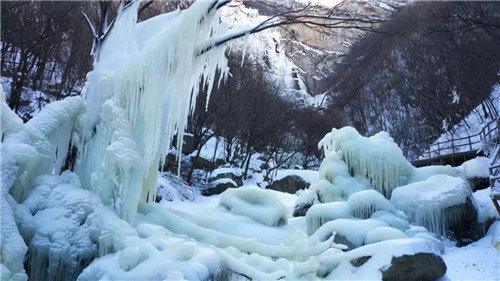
(309, 176)
(226, 170)
(424, 173)
(476, 168)
(485, 208)
(426, 202)
(255, 203)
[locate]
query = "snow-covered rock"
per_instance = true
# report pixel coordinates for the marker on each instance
(172, 188)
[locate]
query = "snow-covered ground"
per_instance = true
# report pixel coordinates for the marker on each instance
(476, 261)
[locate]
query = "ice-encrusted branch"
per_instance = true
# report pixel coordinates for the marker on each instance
(295, 17)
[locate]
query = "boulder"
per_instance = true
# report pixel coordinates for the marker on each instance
(202, 163)
(290, 184)
(219, 186)
(421, 266)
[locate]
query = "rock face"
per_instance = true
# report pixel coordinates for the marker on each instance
(421, 266)
(290, 184)
(325, 49)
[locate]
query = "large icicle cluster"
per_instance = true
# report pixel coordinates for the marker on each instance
(378, 158)
(140, 94)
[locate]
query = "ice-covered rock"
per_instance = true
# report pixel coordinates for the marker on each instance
(255, 203)
(404, 259)
(440, 203)
(219, 186)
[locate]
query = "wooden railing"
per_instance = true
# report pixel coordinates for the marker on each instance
(488, 133)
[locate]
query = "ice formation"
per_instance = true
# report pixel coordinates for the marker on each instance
(255, 203)
(140, 94)
(430, 203)
(11, 123)
(383, 233)
(61, 226)
(319, 214)
(40, 146)
(352, 232)
(377, 158)
(395, 219)
(365, 203)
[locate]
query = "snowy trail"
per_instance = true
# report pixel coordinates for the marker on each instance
(477, 261)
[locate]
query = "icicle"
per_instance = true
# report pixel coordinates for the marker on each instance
(151, 75)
